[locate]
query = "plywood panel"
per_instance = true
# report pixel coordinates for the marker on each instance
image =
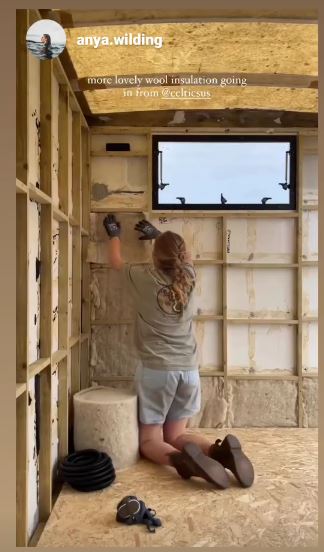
(261, 349)
(55, 287)
(203, 236)
(33, 461)
(258, 240)
(112, 351)
(208, 290)
(133, 249)
(310, 291)
(209, 341)
(110, 299)
(118, 182)
(34, 211)
(136, 141)
(310, 178)
(310, 347)
(55, 141)
(34, 120)
(310, 236)
(261, 293)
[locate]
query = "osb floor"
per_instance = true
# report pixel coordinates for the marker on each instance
(280, 509)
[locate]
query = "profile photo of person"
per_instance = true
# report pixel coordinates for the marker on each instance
(46, 39)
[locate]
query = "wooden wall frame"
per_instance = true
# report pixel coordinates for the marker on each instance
(71, 349)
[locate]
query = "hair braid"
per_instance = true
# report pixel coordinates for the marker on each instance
(171, 256)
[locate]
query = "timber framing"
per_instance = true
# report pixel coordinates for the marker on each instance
(85, 18)
(205, 118)
(70, 357)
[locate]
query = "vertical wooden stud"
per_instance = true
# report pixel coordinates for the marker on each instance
(46, 282)
(299, 241)
(21, 470)
(85, 188)
(22, 94)
(63, 409)
(22, 287)
(76, 281)
(46, 92)
(45, 467)
(76, 166)
(63, 304)
(224, 295)
(63, 170)
(75, 368)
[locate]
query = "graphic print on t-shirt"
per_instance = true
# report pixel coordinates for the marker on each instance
(167, 301)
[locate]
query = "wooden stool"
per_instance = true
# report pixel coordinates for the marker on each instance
(106, 419)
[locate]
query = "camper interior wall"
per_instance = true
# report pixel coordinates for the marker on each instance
(52, 345)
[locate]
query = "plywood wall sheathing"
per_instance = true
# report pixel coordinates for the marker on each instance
(252, 291)
(261, 293)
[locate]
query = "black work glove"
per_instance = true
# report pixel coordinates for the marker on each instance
(148, 230)
(112, 226)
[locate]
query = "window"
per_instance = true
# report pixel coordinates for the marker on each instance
(224, 172)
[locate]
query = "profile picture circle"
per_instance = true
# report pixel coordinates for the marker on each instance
(46, 39)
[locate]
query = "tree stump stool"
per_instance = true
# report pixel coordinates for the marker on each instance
(105, 419)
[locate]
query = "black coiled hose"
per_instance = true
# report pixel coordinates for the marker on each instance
(88, 470)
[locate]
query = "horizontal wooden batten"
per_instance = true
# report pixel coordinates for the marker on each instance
(59, 355)
(104, 128)
(197, 318)
(73, 340)
(21, 188)
(84, 232)
(260, 376)
(310, 319)
(276, 321)
(310, 207)
(218, 118)
(59, 215)
(92, 18)
(219, 213)
(73, 221)
(84, 337)
(309, 263)
(38, 195)
(20, 389)
(261, 265)
(38, 366)
(119, 154)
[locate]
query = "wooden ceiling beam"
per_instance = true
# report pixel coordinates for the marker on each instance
(252, 79)
(94, 18)
(218, 118)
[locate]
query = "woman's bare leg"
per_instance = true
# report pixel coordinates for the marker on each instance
(175, 434)
(152, 445)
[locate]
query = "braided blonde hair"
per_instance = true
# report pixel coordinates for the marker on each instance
(170, 256)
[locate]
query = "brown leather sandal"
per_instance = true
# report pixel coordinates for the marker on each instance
(192, 462)
(230, 454)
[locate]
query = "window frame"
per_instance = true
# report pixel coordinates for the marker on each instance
(291, 206)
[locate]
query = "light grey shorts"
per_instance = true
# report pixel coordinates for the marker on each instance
(165, 395)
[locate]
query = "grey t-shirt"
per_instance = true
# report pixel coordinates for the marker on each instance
(163, 337)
